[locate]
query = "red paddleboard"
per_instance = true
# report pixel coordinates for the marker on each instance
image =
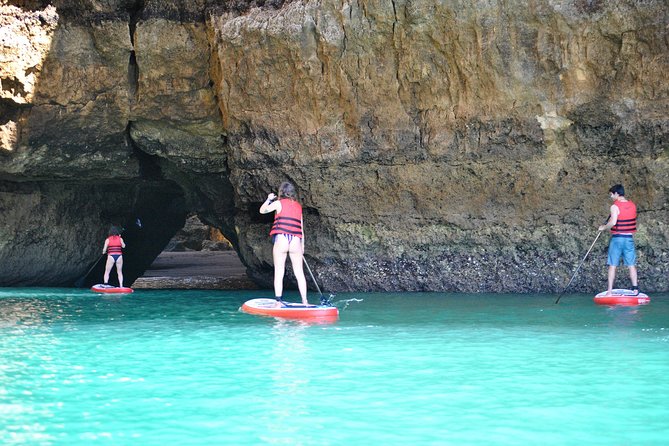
(102, 288)
(621, 297)
(270, 307)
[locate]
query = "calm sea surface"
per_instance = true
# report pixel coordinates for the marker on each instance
(186, 368)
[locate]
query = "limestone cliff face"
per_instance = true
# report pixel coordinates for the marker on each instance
(449, 145)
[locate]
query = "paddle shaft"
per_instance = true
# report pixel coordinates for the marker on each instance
(312, 276)
(80, 282)
(579, 266)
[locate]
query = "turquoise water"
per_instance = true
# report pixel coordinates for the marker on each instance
(175, 367)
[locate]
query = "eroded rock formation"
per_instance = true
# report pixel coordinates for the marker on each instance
(463, 146)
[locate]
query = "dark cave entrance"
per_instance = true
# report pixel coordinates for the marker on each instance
(167, 245)
(199, 256)
(148, 213)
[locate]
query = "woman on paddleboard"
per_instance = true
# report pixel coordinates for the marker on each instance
(114, 249)
(622, 223)
(287, 236)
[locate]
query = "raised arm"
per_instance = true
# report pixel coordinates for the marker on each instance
(270, 205)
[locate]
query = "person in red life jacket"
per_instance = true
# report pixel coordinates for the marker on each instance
(287, 236)
(114, 249)
(622, 223)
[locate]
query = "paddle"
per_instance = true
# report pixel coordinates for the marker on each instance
(579, 266)
(324, 301)
(80, 281)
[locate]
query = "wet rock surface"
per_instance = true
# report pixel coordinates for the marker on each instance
(462, 146)
(196, 236)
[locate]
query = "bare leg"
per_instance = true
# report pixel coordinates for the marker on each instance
(119, 271)
(612, 278)
(279, 252)
(108, 267)
(296, 260)
(633, 276)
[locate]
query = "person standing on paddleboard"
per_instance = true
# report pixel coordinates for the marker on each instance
(287, 236)
(114, 248)
(622, 223)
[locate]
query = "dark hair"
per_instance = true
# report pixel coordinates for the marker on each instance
(287, 190)
(114, 231)
(618, 189)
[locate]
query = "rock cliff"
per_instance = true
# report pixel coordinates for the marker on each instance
(436, 145)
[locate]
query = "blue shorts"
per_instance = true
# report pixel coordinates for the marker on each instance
(622, 246)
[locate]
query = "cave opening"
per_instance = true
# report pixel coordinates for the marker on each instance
(146, 212)
(168, 245)
(198, 256)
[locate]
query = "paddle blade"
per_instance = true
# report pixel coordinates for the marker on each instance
(327, 301)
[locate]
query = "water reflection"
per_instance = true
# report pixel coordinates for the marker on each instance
(290, 380)
(20, 312)
(624, 316)
(28, 352)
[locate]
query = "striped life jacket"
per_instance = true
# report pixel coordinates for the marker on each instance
(289, 220)
(114, 245)
(626, 223)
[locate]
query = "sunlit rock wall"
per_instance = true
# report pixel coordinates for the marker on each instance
(436, 145)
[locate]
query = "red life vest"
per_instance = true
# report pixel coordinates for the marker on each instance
(289, 220)
(626, 223)
(114, 245)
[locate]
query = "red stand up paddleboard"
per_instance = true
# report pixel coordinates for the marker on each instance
(270, 307)
(621, 297)
(102, 288)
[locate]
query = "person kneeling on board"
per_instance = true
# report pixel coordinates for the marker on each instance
(622, 223)
(287, 236)
(113, 246)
